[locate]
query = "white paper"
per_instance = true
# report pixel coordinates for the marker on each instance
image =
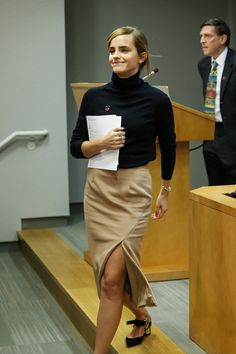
(98, 126)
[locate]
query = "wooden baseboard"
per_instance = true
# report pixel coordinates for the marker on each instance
(158, 273)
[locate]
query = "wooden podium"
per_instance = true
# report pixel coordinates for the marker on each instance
(212, 269)
(165, 250)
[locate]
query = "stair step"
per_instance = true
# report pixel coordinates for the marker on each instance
(70, 279)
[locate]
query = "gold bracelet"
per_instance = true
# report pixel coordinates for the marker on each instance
(167, 189)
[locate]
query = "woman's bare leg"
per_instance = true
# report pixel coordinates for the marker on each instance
(139, 312)
(111, 300)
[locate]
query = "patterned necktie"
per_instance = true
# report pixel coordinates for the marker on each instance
(209, 106)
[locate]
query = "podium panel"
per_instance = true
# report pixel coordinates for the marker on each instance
(212, 269)
(165, 247)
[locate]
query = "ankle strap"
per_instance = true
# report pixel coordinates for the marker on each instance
(137, 322)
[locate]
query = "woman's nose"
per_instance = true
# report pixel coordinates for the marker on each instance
(116, 53)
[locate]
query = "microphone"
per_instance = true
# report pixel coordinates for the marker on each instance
(154, 71)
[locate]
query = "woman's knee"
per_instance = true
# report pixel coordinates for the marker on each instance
(113, 279)
(111, 287)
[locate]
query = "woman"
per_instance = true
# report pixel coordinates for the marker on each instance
(117, 203)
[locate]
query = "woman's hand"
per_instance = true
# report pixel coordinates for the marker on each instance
(114, 139)
(161, 205)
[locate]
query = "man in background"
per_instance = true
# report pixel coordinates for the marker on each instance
(218, 73)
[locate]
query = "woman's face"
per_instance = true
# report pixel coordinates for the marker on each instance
(123, 56)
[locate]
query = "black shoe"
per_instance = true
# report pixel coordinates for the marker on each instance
(131, 342)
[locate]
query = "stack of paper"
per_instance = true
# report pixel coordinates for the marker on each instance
(98, 126)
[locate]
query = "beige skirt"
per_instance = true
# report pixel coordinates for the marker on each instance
(117, 207)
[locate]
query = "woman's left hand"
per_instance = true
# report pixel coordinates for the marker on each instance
(161, 205)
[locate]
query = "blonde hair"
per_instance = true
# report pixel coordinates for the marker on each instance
(140, 42)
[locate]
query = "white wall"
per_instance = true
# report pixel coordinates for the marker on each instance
(172, 28)
(34, 184)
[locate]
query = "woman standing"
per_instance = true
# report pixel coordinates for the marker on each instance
(117, 203)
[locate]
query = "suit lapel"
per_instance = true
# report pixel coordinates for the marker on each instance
(205, 72)
(226, 72)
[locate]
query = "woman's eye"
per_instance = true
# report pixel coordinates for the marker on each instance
(121, 50)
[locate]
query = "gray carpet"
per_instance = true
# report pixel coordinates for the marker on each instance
(31, 321)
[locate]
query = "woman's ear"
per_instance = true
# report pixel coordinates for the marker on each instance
(143, 57)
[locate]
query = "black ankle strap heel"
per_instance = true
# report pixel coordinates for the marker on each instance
(131, 342)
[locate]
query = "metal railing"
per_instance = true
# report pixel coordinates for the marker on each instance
(31, 136)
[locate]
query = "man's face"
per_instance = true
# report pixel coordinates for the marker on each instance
(212, 43)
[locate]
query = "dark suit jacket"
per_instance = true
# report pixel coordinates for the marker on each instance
(224, 146)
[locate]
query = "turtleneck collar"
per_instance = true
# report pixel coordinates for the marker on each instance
(126, 83)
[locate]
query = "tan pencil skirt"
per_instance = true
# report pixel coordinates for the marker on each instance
(117, 207)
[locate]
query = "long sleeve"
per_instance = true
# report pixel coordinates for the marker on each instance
(167, 139)
(80, 132)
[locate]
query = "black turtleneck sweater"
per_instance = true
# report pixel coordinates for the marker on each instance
(146, 113)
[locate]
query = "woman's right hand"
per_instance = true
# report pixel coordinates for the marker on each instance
(114, 139)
